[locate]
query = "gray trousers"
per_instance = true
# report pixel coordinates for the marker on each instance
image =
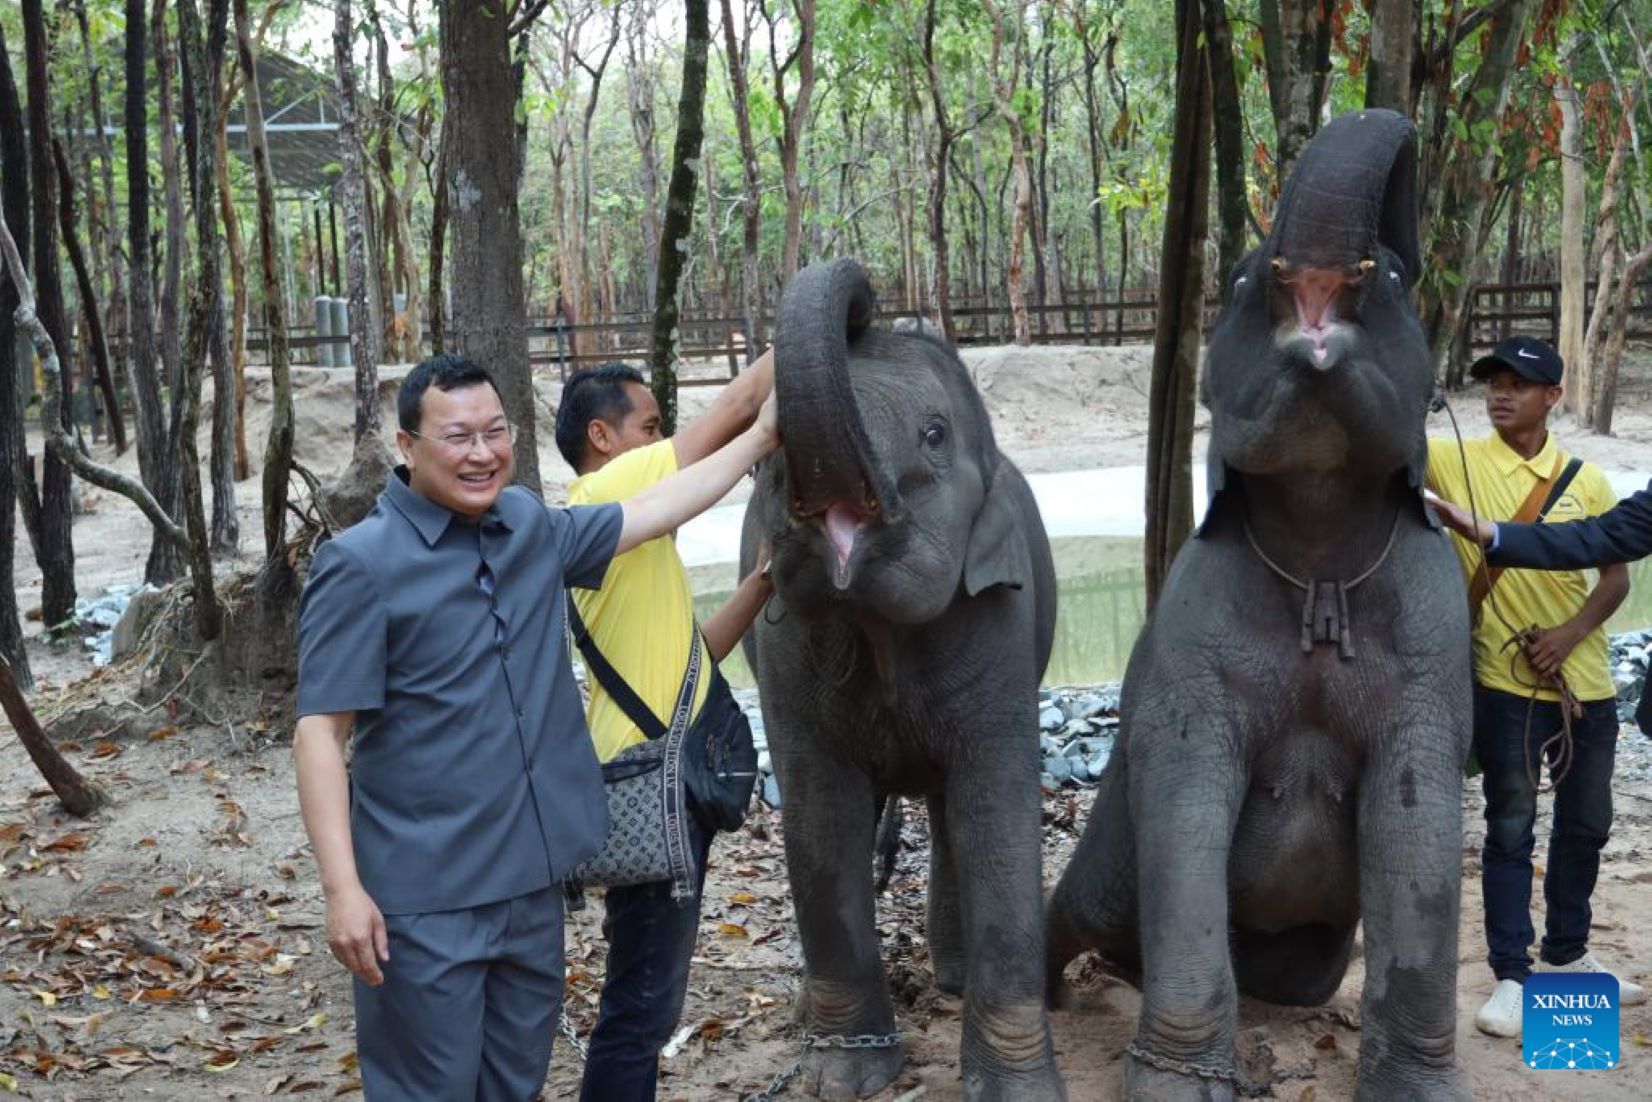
(468, 1006)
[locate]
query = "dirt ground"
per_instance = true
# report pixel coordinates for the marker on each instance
(172, 946)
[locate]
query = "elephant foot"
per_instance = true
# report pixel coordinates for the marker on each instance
(1149, 1082)
(1412, 1084)
(949, 973)
(1040, 1085)
(845, 1073)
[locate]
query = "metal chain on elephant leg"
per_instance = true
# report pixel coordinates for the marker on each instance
(1223, 1073)
(566, 1028)
(777, 1086)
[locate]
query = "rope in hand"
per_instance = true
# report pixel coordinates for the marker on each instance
(1556, 749)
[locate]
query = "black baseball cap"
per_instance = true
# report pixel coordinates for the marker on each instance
(1527, 357)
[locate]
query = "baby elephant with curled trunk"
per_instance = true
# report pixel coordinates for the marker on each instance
(913, 614)
(1296, 712)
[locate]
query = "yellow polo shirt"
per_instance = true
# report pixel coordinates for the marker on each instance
(1502, 479)
(642, 619)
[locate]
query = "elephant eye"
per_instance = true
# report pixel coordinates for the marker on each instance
(935, 434)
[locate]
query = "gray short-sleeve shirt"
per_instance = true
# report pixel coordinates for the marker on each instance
(473, 778)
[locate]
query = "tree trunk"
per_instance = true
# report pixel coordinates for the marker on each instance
(751, 202)
(639, 89)
(438, 242)
(237, 251)
(1388, 69)
(141, 377)
(278, 445)
(1588, 373)
(1181, 309)
(1003, 91)
(1454, 246)
(1296, 42)
(1093, 143)
(165, 563)
(1574, 187)
(483, 176)
(204, 49)
(77, 797)
(364, 350)
(14, 206)
(794, 117)
(1612, 354)
(57, 550)
(108, 242)
(679, 211)
(1227, 110)
(940, 292)
(88, 296)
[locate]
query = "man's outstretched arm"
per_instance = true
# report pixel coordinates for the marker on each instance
(670, 502)
(730, 414)
(1621, 534)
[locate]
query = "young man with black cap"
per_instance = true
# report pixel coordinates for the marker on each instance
(1538, 645)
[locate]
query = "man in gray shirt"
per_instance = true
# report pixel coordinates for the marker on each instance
(434, 630)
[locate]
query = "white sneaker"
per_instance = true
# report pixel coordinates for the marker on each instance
(1629, 994)
(1500, 1017)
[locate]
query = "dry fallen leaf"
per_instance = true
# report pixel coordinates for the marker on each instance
(314, 1021)
(103, 751)
(729, 929)
(46, 998)
(67, 843)
(160, 733)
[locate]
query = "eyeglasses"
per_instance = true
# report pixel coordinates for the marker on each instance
(497, 438)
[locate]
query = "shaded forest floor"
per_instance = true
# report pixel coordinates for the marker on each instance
(172, 946)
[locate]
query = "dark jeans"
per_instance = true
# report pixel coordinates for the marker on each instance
(650, 943)
(1582, 822)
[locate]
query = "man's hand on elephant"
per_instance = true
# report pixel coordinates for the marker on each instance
(1464, 523)
(1550, 647)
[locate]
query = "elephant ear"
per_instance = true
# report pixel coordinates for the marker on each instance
(997, 553)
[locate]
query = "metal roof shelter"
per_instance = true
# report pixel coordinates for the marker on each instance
(300, 125)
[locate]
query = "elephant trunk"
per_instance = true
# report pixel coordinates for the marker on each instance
(835, 479)
(1353, 190)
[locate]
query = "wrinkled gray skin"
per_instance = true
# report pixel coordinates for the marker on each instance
(1262, 801)
(913, 614)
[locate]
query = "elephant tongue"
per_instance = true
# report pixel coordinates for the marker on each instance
(843, 524)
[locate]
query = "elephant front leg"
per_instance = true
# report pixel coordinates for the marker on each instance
(829, 818)
(1187, 786)
(944, 922)
(1410, 855)
(992, 841)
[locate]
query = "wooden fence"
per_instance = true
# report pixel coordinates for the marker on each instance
(1495, 311)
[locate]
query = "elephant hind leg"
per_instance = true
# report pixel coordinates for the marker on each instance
(1094, 905)
(1302, 966)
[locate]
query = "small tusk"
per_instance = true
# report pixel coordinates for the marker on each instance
(1367, 264)
(1279, 264)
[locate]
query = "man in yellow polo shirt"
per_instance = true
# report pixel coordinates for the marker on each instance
(1518, 470)
(642, 620)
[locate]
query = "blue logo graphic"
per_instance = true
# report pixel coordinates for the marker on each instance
(1570, 1021)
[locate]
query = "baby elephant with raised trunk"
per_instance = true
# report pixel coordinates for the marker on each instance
(913, 614)
(1296, 712)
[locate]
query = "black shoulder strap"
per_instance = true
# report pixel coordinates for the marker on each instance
(630, 703)
(1572, 466)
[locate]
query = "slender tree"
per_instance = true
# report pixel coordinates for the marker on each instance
(364, 344)
(56, 552)
(483, 173)
(1181, 307)
(141, 379)
(14, 207)
(1388, 69)
(88, 295)
(1228, 119)
(203, 47)
(736, 54)
(1296, 42)
(679, 211)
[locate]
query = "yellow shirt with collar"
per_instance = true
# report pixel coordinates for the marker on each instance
(1502, 479)
(642, 619)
